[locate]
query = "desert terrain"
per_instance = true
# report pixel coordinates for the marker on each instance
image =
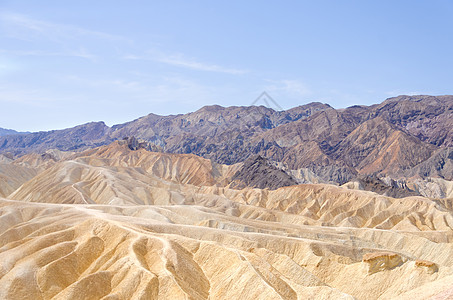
(317, 203)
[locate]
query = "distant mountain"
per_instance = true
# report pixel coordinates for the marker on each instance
(201, 132)
(403, 136)
(77, 138)
(224, 134)
(4, 131)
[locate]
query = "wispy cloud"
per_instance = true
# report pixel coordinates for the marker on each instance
(81, 53)
(24, 27)
(53, 39)
(291, 87)
(180, 60)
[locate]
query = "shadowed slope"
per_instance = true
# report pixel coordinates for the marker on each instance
(13, 176)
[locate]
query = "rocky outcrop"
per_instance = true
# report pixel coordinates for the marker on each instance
(381, 261)
(136, 144)
(332, 174)
(258, 173)
(428, 266)
(386, 187)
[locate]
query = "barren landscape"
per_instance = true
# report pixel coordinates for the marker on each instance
(234, 203)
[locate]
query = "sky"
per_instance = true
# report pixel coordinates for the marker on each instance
(65, 63)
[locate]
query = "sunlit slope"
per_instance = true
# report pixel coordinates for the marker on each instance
(117, 175)
(112, 223)
(178, 252)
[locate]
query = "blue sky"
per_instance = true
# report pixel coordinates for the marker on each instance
(64, 63)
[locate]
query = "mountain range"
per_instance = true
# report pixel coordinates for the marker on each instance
(405, 141)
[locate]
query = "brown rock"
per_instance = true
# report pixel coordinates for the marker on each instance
(381, 261)
(429, 266)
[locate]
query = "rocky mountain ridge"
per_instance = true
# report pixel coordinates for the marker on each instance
(4, 131)
(403, 136)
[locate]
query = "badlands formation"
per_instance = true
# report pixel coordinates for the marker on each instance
(234, 203)
(117, 223)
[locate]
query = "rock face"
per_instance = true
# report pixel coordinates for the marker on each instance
(135, 144)
(257, 172)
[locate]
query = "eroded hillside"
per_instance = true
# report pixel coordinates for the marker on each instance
(116, 223)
